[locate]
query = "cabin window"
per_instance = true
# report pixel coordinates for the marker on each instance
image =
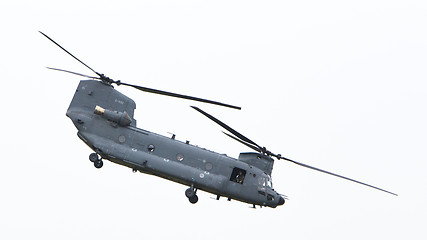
(180, 157)
(122, 139)
(151, 148)
(238, 175)
(208, 166)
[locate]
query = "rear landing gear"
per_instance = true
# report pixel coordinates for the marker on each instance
(193, 199)
(93, 157)
(190, 193)
(97, 161)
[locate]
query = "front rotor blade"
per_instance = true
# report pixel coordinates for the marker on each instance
(243, 142)
(336, 175)
(234, 132)
(151, 90)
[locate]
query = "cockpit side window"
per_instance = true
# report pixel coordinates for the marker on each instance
(238, 175)
(261, 181)
(265, 181)
(269, 182)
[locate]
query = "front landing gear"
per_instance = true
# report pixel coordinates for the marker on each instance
(97, 161)
(190, 193)
(193, 199)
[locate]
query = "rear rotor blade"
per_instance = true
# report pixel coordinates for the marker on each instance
(108, 80)
(69, 53)
(151, 90)
(336, 175)
(79, 74)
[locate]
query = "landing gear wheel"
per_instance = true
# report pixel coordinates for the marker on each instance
(93, 157)
(98, 163)
(193, 199)
(190, 193)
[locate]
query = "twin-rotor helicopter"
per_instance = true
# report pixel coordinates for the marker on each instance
(104, 119)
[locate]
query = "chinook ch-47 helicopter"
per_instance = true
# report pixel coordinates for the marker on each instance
(104, 118)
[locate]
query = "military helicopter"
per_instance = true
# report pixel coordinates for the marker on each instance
(104, 118)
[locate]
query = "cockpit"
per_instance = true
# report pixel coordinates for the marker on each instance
(265, 188)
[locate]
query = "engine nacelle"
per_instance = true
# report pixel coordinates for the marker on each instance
(121, 118)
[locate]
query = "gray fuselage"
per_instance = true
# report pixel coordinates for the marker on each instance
(246, 179)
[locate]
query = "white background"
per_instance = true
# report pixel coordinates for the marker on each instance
(340, 86)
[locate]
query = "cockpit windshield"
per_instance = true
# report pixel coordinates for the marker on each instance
(269, 182)
(265, 181)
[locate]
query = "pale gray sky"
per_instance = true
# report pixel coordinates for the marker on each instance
(334, 84)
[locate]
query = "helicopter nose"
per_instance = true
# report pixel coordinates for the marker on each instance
(281, 201)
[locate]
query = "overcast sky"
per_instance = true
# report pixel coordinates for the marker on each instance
(340, 85)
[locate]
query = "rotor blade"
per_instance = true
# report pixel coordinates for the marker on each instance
(151, 90)
(234, 132)
(243, 142)
(108, 80)
(79, 74)
(69, 53)
(336, 175)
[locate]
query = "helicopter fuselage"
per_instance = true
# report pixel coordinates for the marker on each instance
(111, 132)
